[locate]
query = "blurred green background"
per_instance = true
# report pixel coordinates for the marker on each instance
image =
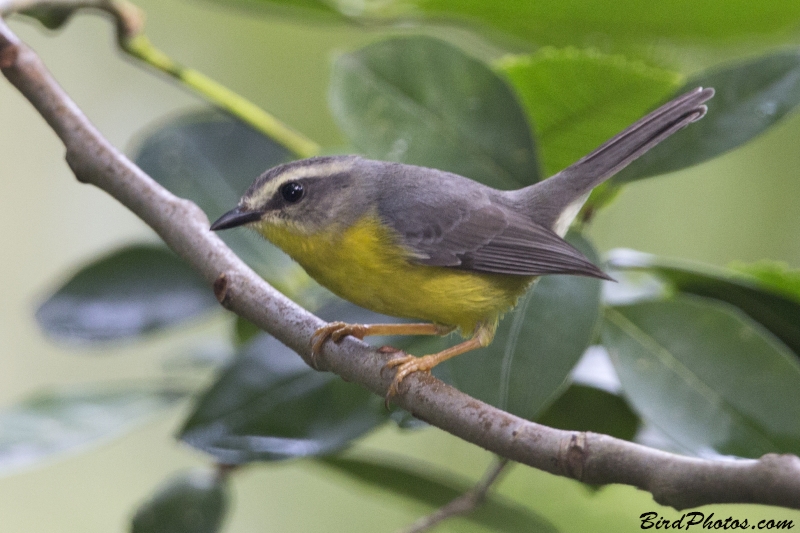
(742, 206)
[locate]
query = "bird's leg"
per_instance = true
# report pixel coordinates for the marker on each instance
(336, 331)
(408, 364)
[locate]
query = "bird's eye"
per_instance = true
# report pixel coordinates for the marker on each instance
(292, 191)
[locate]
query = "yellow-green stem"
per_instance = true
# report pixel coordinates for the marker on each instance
(141, 48)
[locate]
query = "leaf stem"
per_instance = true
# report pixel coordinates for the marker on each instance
(140, 47)
(132, 40)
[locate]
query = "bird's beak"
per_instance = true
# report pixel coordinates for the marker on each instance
(237, 216)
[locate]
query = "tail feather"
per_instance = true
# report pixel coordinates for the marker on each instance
(555, 201)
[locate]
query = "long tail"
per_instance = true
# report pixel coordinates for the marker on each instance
(555, 201)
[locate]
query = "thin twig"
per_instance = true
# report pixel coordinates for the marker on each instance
(466, 503)
(132, 40)
(674, 480)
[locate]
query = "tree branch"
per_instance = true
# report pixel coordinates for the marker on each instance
(464, 504)
(597, 459)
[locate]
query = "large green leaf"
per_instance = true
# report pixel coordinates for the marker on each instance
(578, 99)
(768, 293)
(211, 158)
(422, 485)
(58, 421)
(268, 405)
(774, 275)
(134, 290)
(706, 376)
(582, 408)
(750, 98)
(195, 502)
(536, 345)
(563, 23)
(422, 101)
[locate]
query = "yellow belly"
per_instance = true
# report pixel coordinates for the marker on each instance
(365, 265)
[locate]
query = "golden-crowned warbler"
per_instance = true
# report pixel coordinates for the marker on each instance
(425, 244)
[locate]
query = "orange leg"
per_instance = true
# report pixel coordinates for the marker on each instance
(336, 331)
(409, 364)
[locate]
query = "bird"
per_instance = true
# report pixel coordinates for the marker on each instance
(433, 246)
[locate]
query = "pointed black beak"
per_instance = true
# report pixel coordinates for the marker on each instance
(237, 216)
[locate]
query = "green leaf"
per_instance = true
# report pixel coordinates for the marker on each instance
(578, 99)
(134, 290)
(769, 294)
(208, 157)
(406, 420)
(307, 9)
(554, 22)
(624, 21)
(774, 275)
(582, 408)
(58, 421)
(211, 158)
(706, 376)
(536, 345)
(195, 502)
(244, 331)
(750, 97)
(422, 101)
(268, 405)
(435, 489)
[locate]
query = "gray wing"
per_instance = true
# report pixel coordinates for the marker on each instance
(473, 231)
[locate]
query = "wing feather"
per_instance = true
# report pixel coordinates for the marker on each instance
(447, 220)
(488, 237)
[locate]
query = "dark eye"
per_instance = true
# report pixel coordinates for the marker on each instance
(292, 191)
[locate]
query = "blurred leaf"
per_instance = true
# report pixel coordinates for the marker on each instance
(244, 331)
(208, 157)
(406, 420)
(434, 490)
(536, 345)
(318, 9)
(582, 408)
(211, 158)
(633, 286)
(64, 420)
(768, 294)
(751, 97)
(623, 21)
(135, 290)
(422, 101)
(268, 405)
(774, 275)
(51, 17)
(195, 502)
(578, 99)
(596, 370)
(554, 22)
(706, 376)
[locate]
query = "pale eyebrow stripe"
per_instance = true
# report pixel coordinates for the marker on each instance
(305, 171)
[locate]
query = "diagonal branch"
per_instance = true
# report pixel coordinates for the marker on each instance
(464, 504)
(597, 459)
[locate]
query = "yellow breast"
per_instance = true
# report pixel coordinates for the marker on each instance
(365, 265)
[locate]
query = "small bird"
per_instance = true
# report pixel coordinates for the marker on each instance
(429, 245)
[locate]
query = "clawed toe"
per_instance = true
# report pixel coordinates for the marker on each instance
(335, 331)
(405, 365)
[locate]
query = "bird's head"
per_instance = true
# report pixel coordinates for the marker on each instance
(303, 197)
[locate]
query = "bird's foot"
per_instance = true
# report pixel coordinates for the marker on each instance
(334, 331)
(407, 364)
